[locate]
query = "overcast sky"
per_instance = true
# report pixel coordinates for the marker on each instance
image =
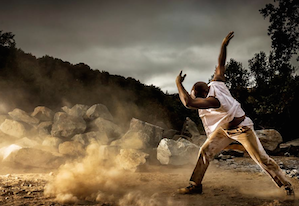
(149, 40)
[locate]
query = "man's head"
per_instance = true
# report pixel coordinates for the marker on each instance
(199, 89)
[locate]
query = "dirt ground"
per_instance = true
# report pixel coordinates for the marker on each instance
(227, 183)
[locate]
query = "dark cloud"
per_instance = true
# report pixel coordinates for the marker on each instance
(148, 40)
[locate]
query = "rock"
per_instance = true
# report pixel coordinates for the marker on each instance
(178, 152)
(198, 140)
(77, 110)
(91, 137)
(43, 113)
(294, 143)
(13, 128)
(269, 138)
(190, 128)
(170, 133)
(31, 157)
(51, 143)
(67, 125)
(134, 140)
(27, 143)
(290, 148)
(71, 148)
(5, 151)
(106, 127)
(44, 128)
(98, 110)
(153, 132)
(101, 138)
(22, 116)
(108, 152)
(130, 159)
(3, 118)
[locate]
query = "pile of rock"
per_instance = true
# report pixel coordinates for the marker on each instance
(45, 139)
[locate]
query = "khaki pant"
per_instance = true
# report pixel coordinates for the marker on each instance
(220, 138)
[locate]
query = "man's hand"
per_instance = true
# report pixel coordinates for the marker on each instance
(180, 78)
(228, 38)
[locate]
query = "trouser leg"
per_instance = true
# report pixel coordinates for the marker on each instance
(256, 151)
(212, 146)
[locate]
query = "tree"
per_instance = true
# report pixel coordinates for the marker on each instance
(7, 39)
(236, 76)
(284, 28)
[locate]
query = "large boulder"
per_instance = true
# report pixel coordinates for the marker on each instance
(31, 157)
(269, 138)
(98, 110)
(180, 152)
(107, 127)
(13, 128)
(22, 116)
(43, 113)
(130, 159)
(67, 125)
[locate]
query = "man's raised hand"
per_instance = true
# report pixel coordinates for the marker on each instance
(228, 38)
(180, 78)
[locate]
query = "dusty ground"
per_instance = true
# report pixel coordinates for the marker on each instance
(227, 183)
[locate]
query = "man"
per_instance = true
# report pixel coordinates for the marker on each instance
(224, 121)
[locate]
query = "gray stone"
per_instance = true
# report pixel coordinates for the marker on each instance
(269, 138)
(31, 157)
(22, 116)
(91, 137)
(170, 133)
(27, 143)
(13, 128)
(180, 152)
(5, 151)
(98, 110)
(106, 127)
(51, 143)
(108, 152)
(138, 140)
(77, 110)
(71, 148)
(43, 113)
(294, 143)
(67, 125)
(3, 117)
(152, 134)
(44, 128)
(130, 159)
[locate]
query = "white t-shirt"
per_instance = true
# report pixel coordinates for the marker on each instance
(229, 109)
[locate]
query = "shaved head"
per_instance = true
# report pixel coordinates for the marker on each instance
(199, 89)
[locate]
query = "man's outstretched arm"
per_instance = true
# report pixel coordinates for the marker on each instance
(219, 72)
(194, 103)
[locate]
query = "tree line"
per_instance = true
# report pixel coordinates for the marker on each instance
(268, 89)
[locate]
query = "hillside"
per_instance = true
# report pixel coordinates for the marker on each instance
(27, 81)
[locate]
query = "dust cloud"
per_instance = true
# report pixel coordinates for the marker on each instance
(94, 178)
